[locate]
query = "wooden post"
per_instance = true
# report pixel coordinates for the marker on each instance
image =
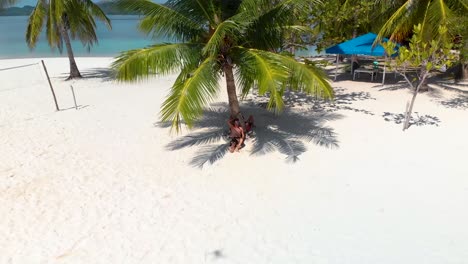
(336, 66)
(384, 70)
(50, 84)
(74, 98)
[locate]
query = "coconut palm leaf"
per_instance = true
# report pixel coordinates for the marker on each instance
(52, 30)
(35, 24)
(80, 22)
(277, 71)
(265, 71)
(430, 13)
(64, 19)
(438, 13)
(201, 11)
(162, 20)
(232, 36)
(397, 23)
(216, 40)
(96, 12)
(161, 58)
(191, 93)
(265, 23)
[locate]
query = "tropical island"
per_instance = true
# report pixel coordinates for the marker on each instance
(225, 141)
(107, 7)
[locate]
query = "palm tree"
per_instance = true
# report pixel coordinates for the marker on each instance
(430, 14)
(237, 40)
(65, 20)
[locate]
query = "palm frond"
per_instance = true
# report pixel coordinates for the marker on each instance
(35, 23)
(429, 13)
(80, 20)
(191, 92)
(162, 20)
(53, 24)
(268, 21)
(307, 78)
(226, 28)
(389, 27)
(439, 14)
(96, 12)
(161, 58)
(80, 23)
(273, 73)
(462, 3)
(256, 67)
(200, 11)
(57, 10)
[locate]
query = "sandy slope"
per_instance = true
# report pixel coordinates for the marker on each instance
(101, 185)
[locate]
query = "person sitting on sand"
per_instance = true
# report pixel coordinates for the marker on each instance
(249, 124)
(236, 134)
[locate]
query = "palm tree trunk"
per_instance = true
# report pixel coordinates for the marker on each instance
(464, 70)
(74, 72)
(231, 91)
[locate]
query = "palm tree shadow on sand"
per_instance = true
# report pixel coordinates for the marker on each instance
(287, 133)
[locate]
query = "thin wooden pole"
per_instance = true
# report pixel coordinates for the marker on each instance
(74, 98)
(50, 84)
(336, 66)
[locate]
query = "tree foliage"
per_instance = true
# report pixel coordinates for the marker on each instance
(235, 39)
(77, 16)
(429, 13)
(426, 56)
(336, 21)
(65, 19)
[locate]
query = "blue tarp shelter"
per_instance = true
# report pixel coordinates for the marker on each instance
(361, 45)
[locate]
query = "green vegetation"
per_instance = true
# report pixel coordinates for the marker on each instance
(65, 19)
(430, 14)
(250, 42)
(109, 8)
(238, 40)
(340, 20)
(427, 56)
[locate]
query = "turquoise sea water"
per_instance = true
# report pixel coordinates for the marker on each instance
(123, 36)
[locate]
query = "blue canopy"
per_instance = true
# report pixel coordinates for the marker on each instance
(361, 45)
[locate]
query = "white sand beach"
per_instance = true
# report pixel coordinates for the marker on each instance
(108, 183)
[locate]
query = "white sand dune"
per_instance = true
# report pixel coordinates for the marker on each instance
(108, 184)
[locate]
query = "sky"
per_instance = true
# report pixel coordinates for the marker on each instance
(33, 2)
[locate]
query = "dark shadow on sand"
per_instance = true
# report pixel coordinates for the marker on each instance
(460, 102)
(106, 74)
(287, 133)
(460, 93)
(416, 119)
(343, 101)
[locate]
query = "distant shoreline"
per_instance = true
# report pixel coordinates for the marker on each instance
(108, 8)
(56, 57)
